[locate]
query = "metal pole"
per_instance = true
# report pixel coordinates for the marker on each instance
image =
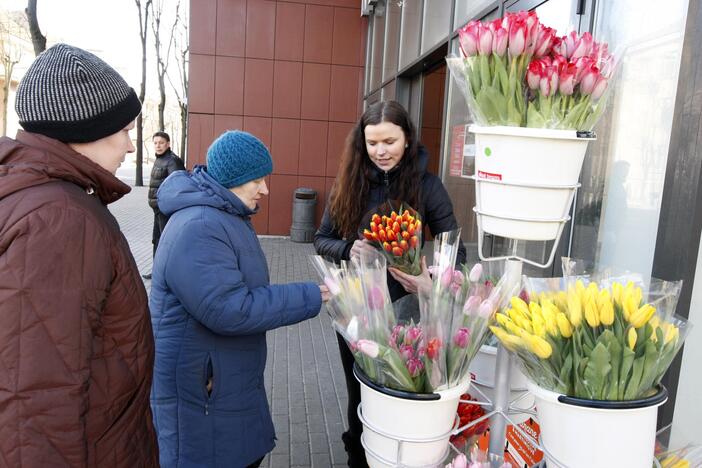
(500, 403)
(498, 423)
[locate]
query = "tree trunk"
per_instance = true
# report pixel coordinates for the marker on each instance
(5, 95)
(38, 39)
(162, 103)
(143, 30)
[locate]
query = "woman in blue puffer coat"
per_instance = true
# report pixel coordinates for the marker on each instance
(211, 305)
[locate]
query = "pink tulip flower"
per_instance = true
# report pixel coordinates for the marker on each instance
(368, 347)
(414, 366)
(462, 337)
(485, 40)
(471, 304)
(468, 38)
(475, 273)
(558, 47)
(499, 42)
(517, 37)
(582, 65)
(487, 307)
(570, 41)
(559, 62)
(566, 80)
(583, 46)
(589, 79)
(534, 74)
(413, 335)
(544, 40)
(600, 88)
(406, 351)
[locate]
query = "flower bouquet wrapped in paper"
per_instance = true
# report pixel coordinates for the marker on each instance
(516, 71)
(598, 338)
(395, 228)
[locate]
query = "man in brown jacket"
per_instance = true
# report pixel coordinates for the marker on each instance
(76, 347)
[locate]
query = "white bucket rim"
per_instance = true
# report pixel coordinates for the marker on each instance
(533, 132)
(657, 399)
(451, 393)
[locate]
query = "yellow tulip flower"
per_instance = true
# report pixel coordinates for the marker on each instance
(629, 307)
(631, 338)
(607, 313)
(603, 297)
(591, 315)
(534, 309)
(641, 317)
(575, 309)
(515, 329)
(539, 326)
(510, 342)
(538, 346)
(564, 325)
(520, 306)
(617, 292)
(671, 333)
(501, 318)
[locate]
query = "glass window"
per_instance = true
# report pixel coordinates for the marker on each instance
(392, 38)
(437, 22)
(410, 31)
(378, 45)
(618, 206)
(388, 91)
(467, 10)
(459, 160)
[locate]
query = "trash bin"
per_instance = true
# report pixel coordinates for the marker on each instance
(304, 203)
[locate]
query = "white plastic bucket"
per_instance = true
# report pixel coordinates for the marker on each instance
(579, 433)
(482, 369)
(424, 426)
(525, 179)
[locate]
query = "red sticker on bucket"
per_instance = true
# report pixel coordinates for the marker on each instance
(489, 176)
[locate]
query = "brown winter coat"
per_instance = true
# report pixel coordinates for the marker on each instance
(76, 347)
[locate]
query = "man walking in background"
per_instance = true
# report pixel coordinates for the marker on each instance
(166, 164)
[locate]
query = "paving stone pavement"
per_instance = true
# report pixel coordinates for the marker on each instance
(304, 378)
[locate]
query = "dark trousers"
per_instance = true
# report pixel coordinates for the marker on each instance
(352, 437)
(160, 221)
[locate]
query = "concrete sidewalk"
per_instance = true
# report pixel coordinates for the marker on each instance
(304, 377)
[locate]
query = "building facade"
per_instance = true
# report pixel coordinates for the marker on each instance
(298, 73)
(290, 72)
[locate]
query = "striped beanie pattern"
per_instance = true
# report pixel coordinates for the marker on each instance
(74, 96)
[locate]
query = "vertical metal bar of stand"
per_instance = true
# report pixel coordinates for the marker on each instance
(500, 402)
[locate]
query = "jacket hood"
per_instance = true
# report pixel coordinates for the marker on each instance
(376, 175)
(184, 189)
(33, 159)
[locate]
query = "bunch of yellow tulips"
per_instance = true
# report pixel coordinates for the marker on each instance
(591, 342)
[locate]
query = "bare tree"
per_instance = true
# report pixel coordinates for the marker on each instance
(13, 30)
(162, 57)
(180, 88)
(38, 39)
(143, 30)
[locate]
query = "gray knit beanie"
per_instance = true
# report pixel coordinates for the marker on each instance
(73, 96)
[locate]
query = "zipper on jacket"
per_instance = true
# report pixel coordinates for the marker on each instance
(208, 394)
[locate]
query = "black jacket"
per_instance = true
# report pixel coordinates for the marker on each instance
(165, 165)
(435, 209)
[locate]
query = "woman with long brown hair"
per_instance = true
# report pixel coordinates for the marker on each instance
(382, 160)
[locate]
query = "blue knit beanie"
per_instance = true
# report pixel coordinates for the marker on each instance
(238, 157)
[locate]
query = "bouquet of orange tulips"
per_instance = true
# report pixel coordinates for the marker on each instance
(398, 234)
